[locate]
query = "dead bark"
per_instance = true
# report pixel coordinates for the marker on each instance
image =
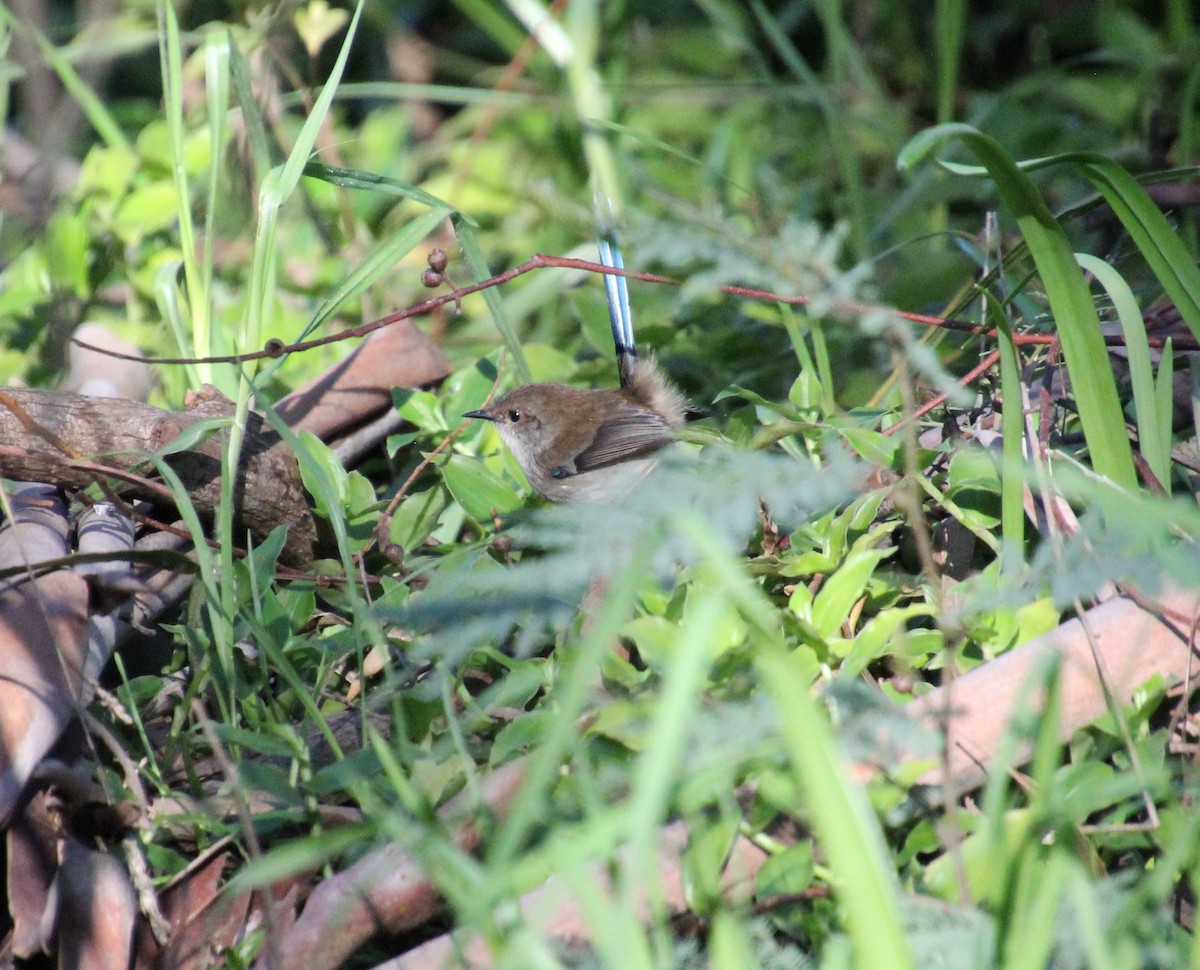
(32, 861)
(73, 440)
(93, 908)
(552, 911)
(359, 389)
(43, 641)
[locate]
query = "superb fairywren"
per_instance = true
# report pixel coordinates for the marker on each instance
(574, 443)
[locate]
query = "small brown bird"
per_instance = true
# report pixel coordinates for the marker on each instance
(576, 443)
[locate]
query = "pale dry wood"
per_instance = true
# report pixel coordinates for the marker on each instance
(56, 699)
(387, 891)
(97, 374)
(1133, 644)
(554, 912)
(71, 439)
(102, 529)
(51, 653)
(358, 389)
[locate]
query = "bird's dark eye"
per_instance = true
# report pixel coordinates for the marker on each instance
(514, 416)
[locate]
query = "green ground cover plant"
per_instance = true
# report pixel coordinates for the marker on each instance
(916, 262)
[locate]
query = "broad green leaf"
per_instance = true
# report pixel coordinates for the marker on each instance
(324, 477)
(477, 489)
(833, 602)
(875, 638)
(786, 873)
(709, 842)
(146, 210)
(420, 408)
(354, 179)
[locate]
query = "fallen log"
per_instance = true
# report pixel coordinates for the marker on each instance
(73, 440)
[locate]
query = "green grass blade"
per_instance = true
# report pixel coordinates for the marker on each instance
(216, 89)
(209, 576)
(573, 691)
(170, 307)
(842, 819)
(171, 55)
(354, 179)
(252, 119)
(1163, 249)
(489, 16)
(377, 263)
(841, 815)
(1157, 241)
(303, 445)
(1164, 387)
(590, 100)
(1155, 449)
(279, 185)
(1071, 303)
(1030, 943)
(1012, 483)
(658, 765)
(949, 29)
(298, 158)
(824, 364)
(1091, 922)
(276, 188)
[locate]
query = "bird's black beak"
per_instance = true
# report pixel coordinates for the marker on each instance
(479, 414)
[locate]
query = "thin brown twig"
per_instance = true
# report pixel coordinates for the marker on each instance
(95, 468)
(988, 362)
(74, 458)
(849, 308)
(779, 901)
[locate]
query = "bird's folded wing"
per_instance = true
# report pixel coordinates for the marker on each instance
(629, 433)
